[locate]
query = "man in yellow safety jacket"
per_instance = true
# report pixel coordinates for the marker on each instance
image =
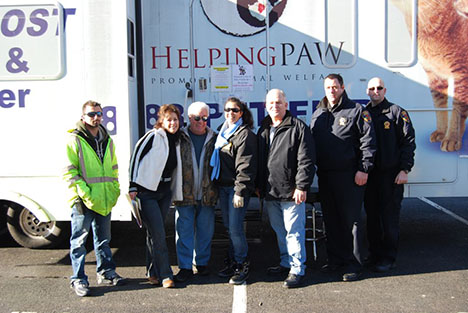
(92, 175)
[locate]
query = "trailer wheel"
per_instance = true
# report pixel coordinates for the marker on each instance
(29, 232)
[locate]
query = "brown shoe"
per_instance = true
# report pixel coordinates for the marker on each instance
(168, 283)
(153, 280)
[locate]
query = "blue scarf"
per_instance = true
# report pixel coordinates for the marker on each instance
(224, 134)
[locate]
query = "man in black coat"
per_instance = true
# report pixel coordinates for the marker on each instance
(286, 169)
(385, 186)
(345, 146)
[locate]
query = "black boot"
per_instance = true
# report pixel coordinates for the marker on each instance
(228, 269)
(241, 273)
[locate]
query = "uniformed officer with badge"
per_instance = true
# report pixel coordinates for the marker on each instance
(385, 185)
(345, 146)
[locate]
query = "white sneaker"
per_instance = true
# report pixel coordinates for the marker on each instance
(110, 278)
(80, 287)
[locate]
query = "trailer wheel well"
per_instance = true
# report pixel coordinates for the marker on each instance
(28, 231)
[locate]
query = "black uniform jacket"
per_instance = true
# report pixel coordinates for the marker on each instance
(238, 161)
(344, 136)
(288, 162)
(395, 136)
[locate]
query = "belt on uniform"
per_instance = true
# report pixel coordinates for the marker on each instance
(165, 180)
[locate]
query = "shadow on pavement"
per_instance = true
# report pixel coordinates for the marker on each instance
(430, 241)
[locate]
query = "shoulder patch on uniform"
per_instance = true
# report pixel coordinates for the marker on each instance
(366, 116)
(404, 116)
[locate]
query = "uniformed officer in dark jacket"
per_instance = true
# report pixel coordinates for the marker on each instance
(286, 160)
(345, 146)
(394, 159)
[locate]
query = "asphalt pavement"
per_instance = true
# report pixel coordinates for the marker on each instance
(431, 274)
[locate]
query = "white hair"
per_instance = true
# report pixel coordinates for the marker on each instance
(276, 91)
(196, 107)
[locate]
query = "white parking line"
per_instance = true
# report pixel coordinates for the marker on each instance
(441, 208)
(239, 299)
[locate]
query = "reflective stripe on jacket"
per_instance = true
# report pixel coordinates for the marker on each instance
(95, 182)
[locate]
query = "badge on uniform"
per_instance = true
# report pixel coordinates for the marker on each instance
(386, 125)
(405, 116)
(366, 116)
(342, 121)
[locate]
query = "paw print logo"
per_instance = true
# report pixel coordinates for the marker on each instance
(242, 17)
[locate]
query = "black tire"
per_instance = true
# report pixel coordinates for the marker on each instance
(28, 232)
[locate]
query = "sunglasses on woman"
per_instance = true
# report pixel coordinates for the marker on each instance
(235, 110)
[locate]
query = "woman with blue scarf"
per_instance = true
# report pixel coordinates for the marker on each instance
(234, 163)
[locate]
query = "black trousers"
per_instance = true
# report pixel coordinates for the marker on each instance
(341, 201)
(382, 202)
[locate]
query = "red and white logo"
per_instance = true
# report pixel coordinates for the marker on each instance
(242, 17)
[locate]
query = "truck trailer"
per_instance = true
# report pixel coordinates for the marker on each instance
(133, 56)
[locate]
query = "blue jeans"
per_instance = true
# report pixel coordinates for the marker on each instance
(233, 220)
(154, 208)
(288, 221)
(194, 231)
(80, 226)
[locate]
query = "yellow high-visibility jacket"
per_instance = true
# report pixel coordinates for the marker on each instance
(89, 178)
